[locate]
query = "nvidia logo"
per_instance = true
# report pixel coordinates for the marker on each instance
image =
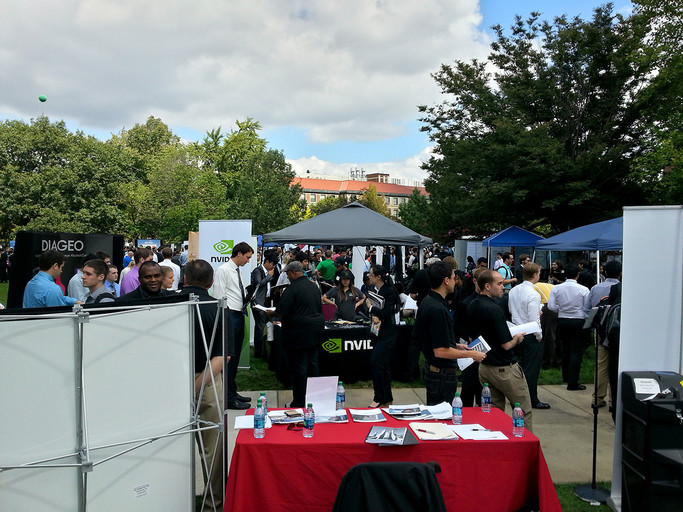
(333, 346)
(224, 246)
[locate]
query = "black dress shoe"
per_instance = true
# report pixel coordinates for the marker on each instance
(238, 405)
(541, 405)
(576, 387)
(243, 398)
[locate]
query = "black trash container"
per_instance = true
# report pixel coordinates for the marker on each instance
(652, 443)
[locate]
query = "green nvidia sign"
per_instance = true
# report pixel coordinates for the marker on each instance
(333, 346)
(224, 246)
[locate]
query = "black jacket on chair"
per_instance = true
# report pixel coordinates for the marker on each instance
(390, 487)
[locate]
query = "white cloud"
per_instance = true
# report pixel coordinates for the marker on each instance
(336, 69)
(339, 71)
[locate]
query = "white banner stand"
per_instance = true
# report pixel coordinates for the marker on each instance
(651, 304)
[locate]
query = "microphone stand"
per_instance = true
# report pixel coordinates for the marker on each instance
(592, 493)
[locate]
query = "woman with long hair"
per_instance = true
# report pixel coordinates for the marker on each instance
(556, 273)
(382, 312)
(345, 297)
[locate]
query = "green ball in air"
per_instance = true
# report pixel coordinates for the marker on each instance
(42, 98)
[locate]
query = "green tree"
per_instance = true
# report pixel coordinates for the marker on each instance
(328, 204)
(659, 167)
(54, 180)
(263, 193)
(257, 180)
(371, 199)
(416, 214)
(549, 136)
(145, 141)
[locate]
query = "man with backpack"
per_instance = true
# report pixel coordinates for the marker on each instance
(599, 295)
(504, 270)
(94, 273)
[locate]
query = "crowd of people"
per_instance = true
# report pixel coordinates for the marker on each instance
(450, 308)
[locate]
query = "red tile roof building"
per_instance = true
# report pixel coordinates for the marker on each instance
(315, 190)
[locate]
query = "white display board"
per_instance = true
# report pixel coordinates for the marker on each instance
(137, 375)
(217, 239)
(652, 303)
(39, 417)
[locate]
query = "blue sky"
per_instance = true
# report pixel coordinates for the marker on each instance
(334, 85)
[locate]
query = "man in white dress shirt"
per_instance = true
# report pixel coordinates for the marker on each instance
(228, 283)
(525, 306)
(570, 299)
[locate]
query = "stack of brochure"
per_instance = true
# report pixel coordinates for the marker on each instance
(409, 412)
(288, 416)
(385, 436)
(367, 415)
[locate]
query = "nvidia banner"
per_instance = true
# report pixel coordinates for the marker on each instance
(218, 237)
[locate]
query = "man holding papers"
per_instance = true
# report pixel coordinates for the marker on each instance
(500, 368)
(433, 329)
(525, 306)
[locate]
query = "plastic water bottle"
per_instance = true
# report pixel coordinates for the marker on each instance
(457, 409)
(259, 421)
(517, 421)
(264, 401)
(486, 398)
(341, 396)
(309, 421)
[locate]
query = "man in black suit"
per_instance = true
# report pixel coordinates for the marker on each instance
(208, 367)
(261, 278)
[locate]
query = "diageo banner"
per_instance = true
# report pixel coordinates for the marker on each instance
(75, 246)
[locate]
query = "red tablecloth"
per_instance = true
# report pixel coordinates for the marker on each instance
(284, 471)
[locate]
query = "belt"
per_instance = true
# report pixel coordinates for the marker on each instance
(436, 369)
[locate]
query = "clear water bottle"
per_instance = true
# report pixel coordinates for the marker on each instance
(259, 421)
(517, 421)
(341, 396)
(457, 409)
(309, 421)
(486, 398)
(264, 401)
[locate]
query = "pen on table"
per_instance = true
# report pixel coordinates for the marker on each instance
(426, 431)
(481, 430)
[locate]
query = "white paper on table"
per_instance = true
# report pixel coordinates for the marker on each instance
(442, 411)
(322, 393)
(527, 328)
(646, 386)
(475, 431)
(248, 422)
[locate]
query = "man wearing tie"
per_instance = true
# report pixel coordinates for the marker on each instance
(228, 283)
(261, 278)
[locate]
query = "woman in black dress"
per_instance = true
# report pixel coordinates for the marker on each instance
(384, 324)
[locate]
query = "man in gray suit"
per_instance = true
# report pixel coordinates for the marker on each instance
(261, 278)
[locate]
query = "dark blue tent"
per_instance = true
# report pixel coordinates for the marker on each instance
(601, 236)
(512, 237)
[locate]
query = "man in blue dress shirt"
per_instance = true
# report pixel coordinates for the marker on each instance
(42, 291)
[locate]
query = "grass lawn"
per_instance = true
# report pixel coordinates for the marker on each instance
(3, 293)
